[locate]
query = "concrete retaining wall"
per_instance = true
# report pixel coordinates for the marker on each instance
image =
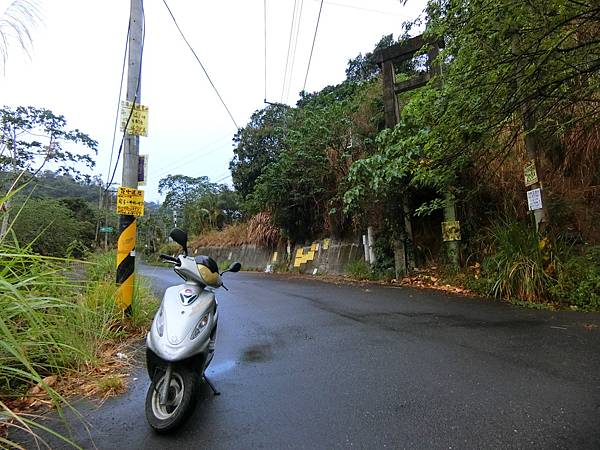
(326, 256)
(251, 256)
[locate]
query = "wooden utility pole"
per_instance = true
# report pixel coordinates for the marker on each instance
(127, 223)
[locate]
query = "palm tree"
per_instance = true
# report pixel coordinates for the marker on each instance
(16, 22)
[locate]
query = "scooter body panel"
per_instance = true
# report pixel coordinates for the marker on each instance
(176, 333)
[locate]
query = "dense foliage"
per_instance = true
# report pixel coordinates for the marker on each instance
(199, 204)
(509, 71)
(55, 227)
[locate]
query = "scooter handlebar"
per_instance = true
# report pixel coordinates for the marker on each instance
(169, 258)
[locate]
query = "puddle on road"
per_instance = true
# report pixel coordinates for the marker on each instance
(257, 353)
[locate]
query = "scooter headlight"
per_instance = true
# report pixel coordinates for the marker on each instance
(200, 326)
(160, 322)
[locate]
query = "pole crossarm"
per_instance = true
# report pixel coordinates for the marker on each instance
(405, 50)
(415, 82)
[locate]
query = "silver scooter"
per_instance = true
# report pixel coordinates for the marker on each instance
(181, 340)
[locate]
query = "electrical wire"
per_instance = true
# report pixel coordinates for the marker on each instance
(313, 46)
(112, 147)
(387, 13)
(189, 158)
(201, 65)
(287, 94)
(135, 96)
(195, 158)
(287, 58)
(265, 24)
(222, 179)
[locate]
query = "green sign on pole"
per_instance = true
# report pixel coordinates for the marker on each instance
(106, 229)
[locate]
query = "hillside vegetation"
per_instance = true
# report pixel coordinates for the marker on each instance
(328, 167)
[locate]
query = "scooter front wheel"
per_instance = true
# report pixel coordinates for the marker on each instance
(179, 403)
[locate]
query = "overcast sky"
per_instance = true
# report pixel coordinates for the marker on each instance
(75, 69)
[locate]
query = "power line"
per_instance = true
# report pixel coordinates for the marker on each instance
(313, 46)
(223, 175)
(287, 94)
(265, 23)
(222, 179)
(387, 13)
(193, 157)
(112, 147)
(201, 65)
(287, 58)
(177, 166)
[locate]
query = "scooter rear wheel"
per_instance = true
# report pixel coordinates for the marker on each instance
(180, 401)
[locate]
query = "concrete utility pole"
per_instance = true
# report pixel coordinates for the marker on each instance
(127, 224)
(450, 216)
(532, 145)
(403, 248)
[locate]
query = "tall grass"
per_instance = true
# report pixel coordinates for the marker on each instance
(51, 323)
(259, 230)
(522, 264)
(36, 336)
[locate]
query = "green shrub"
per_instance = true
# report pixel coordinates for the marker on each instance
(481, 284)
(359, 270)
(224, 265)
(578, 281)
(50, 228)
(521, 265)
(170, 248)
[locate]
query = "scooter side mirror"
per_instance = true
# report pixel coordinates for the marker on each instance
(181, 237)
(234, 267)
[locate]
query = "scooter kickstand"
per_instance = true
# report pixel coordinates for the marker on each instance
(212, 387)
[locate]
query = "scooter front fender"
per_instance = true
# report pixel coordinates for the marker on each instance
(177, 321)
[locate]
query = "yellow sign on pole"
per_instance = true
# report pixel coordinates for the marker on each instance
(130, 202)
(530, 173)
(451, 230)
(138, 119)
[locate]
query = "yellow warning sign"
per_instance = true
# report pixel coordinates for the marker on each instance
(451, 230)
(530, 173)
(130, 202)
(138, 119)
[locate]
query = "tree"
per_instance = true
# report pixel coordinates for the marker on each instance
(257, 145)
(365, 68)
(200, 203)
(153, 230)
(488, 83)
(50, 228)
(33, 137)
(30, 139)
(181, 190)
(302, 188)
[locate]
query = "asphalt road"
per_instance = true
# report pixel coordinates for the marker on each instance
(308, 364)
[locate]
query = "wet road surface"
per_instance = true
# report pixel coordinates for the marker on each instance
(308, 364)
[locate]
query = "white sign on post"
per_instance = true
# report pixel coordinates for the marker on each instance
(534, 199)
